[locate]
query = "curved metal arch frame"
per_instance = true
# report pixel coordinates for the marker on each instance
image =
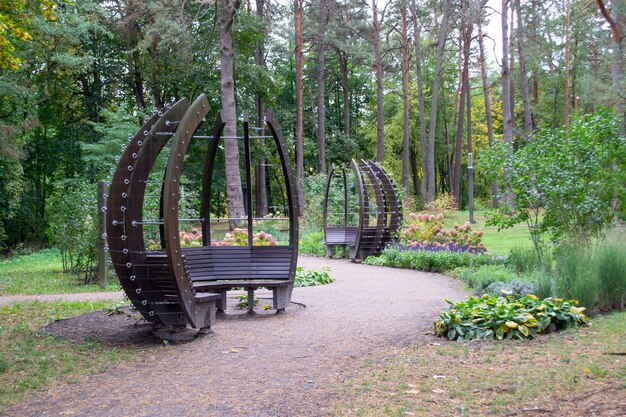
(393, 207)
(388, 218)
(116, 209)
(169, 313)
(365, 248)
(290, 185)
(329, 180)
(197, 315)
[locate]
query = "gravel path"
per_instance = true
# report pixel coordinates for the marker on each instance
(287, 365)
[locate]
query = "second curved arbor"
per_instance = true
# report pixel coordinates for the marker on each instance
(362, 212)
(180, 240)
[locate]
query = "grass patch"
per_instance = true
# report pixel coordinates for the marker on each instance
(563, 373)
(498, 243)
(41, 273)
(31, 360)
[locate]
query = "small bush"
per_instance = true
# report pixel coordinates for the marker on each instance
(427, 260)
(443, 203)
(72, 211)
(312, 244)
(493, 317)
(481, 278)
(310, 277)
(514, 287)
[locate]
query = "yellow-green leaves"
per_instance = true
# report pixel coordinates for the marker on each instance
(510, 317)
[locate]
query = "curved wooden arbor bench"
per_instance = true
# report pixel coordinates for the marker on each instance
(175, 286)
(378, 209)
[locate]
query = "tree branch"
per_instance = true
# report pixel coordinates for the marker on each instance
(617, 36)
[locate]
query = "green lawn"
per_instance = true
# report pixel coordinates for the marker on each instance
(41, 273)
(31, 360)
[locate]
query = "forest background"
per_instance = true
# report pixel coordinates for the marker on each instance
(405, 83)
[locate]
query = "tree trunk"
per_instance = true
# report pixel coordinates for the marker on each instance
(378, 62)
(507, 111)
(617, 22)
(299, 113)
(234, 194)
(420, 98)
(464, 81)
(488, 117)
(512, 64)
(261, 190)
(443, 29)
(321, 109)
(566, 89)
(507, 116)
(523, 76)
(345, 89)
(405, 101)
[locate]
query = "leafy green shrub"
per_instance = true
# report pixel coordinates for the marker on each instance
(493, 317)
(427, 260)
(312, 244)
(515, 287)
(443, 203)
(72, 211)
(564, 182)
(481, 278)
(311, 277)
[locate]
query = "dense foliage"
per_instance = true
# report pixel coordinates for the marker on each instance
(595, 275)
(564, 183)
(424, 260)
(79, 76)
(494, 317)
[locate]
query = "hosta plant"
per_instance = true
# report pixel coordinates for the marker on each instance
(510, 317)
(311, 277)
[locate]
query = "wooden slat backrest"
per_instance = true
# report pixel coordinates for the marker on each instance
(209, 263)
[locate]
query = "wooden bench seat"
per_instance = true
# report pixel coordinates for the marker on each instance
(218, 269)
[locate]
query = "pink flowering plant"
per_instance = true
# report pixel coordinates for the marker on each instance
(239, 237)
(426, 232)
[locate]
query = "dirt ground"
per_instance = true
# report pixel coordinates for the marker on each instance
(264, 365)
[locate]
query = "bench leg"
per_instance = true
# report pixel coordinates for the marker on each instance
(282, 296)
(329, 251)
(343, 251)
(250, 300)
(221, 303)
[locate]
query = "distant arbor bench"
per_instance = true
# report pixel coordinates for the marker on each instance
(361, 209)
(173, 285)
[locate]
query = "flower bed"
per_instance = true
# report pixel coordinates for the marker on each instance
(426, 232)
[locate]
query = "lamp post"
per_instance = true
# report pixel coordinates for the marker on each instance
(470, 175)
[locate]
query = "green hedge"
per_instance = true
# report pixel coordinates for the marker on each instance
(428, 261)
